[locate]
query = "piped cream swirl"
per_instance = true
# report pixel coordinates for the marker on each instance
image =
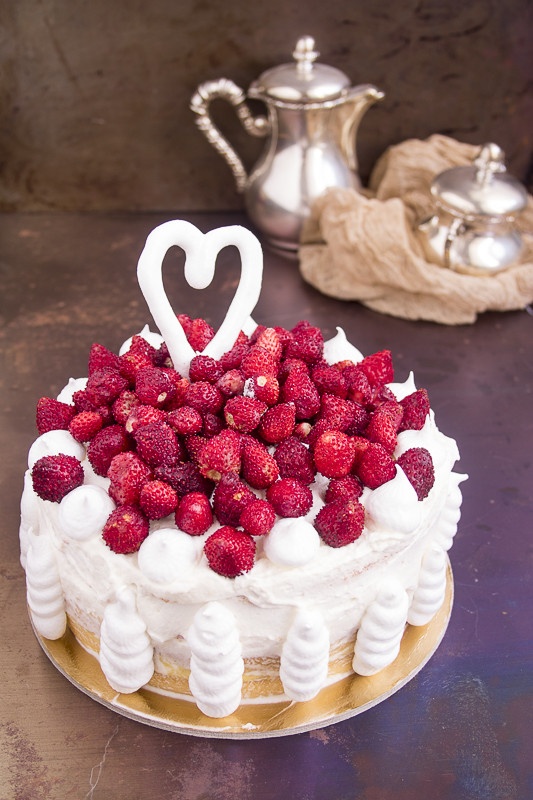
(305, 656)
(43, 589)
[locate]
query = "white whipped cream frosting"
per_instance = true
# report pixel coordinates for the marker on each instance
(43, 589)
(126, 652)
(83, 512)
(429, 593)
(291, 542)
(67, 392)
(216, 662)
(305, 656)
(52, 443)
(394, 506)
(382, 627)
(340, 349)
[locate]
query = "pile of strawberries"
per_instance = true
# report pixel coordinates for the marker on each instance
(240, 439)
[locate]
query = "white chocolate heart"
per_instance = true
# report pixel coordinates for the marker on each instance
(201, 250)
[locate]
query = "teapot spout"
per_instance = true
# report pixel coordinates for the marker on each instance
(358, 100)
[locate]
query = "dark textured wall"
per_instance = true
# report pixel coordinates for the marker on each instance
(94, 94)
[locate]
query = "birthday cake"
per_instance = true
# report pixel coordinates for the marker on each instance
(240, 517)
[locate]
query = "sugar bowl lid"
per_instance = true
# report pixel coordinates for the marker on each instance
(302, 81)
(484, 189)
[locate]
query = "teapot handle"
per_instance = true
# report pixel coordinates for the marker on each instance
(256, 126)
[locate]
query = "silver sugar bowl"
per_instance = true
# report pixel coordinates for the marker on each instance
(310, 129)
(473, 230)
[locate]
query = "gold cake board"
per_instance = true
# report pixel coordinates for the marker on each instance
(342, 700)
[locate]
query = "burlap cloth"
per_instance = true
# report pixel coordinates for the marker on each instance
(364, 246)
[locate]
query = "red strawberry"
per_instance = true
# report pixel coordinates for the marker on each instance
(378, 368)
(194, 444)
(289, 365)
(418, 466)
(158, 444)
(199, 334)
(329, 379)
(125, 529)
(376, 466)
(415, 410)
(258, 361)
(230, 552)
(230, 498)
(295, 460)
(143, 415)
(334, 454)
(277, 423)
(270, 340)
(158, 499)
(258, 518)
(205, 368)
(340, 413)
(154, 387)
(53, 415)
(358, 385)
(220, 454)
(131, 362)
(104, 385)
(290, 498)
(231, 383)
(85, 425)
(259, 468)
(203, 396)
(340, 522)
(55, 476)
(124, 405)
(82, 401)
(300, 390)
(107, 443)
(212, 424)
(382, 429)
(361, 444)
(307, 343)
(233, 358)
(262, 387)
(185, 478)
(100, 356)
(179, 392)
(194, 514)
(347, 488)
(185, 420)
(243, 414)
(127, 474)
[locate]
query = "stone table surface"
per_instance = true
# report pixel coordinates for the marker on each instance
(460, 729)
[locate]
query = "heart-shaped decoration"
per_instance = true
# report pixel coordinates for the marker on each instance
(201, 250)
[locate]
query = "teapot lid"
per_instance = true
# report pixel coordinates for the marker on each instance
(483, 189)
(302, 81)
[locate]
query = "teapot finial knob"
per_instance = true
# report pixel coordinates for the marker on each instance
(305, 54)
(489, 161)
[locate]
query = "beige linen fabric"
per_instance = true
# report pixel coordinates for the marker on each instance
(363, 246)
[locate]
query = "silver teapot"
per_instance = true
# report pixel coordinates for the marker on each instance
(313, 115)
(474, 230)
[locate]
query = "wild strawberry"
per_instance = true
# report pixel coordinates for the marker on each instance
(376, 466)
(107, 443)
(131, 362)
(289, 365)
(185, 321)
(194, 514)
(100, 356)
(185, 420)
(359, 421)
(205, 368)
(194, 444)
(270, 340)
(243, 414)
(315, 431)
(382, 429)
(55, 476)
(361, 444)
(358, 386)
(157, 499)
(82, 401)
(347, 488)
(157, 444)
(220, 454)
(415, 410)
(258, 361)
(233, 358)
(212, 424)
(153, 386)
(104, 385)
(184, 477)
(139, 344)
(85, 425)
(295, 460)
(180, 388)
(417, 464)
(230, 498)
(259, 468)
(340, 522)
(127, 474)
(334, 454)
(277, 423)
(262, 387)
(230, 552)
(300, 390)
(329, 379)
(339, 413)
(302, 431)
(125, 530)
(258, 518)
(53, 415)
(199, 334)
(162, 356)
(290, 498)
(231, 383)
(143, 415)
(378, 368)
(307, 343)
(124, 405)
(203, 396)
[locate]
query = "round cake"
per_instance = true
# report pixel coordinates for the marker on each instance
(240, 517)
